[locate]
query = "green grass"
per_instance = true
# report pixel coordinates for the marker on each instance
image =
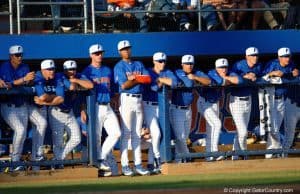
(154, 182)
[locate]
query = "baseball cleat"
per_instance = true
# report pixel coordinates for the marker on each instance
(104, 167)
(269, 156)
(126, 170)
(209, 159)
(220, 158)
(18, 168)
(234, 157)
(140, 170)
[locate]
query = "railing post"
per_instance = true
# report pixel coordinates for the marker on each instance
(199, 17)
(85, 15)
(165, 145)
(93, 16)
(91, 101)
(11, 22)
(18, 17)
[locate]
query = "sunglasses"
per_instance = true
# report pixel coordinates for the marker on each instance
(18, 55)
(188, 63)
(161, 61)
(71, 69)
(50, 69)
(97, 53)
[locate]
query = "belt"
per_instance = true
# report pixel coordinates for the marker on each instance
(134, 95)
(103, 103)
(243, 98)
(278, 97)
(62, 110)
(151, 103)
(181, 107)
(14, 105)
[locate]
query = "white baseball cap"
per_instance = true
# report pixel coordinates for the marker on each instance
(96, 48)
(15, 49)
(70, 64)
(222, 62)
(252, 51)
(187, 59)
(47, 64)
(123, 44)
(159, 56)
(284, 52)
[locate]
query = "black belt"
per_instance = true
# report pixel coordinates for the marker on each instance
(278, 97)
(244, 98)
(14, 105)
(152, 103)
(63, 110)
(182, 107)
(103, 103)
(134, 95)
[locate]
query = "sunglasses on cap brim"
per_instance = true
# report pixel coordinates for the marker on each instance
(223, 67)
(286, 56)
(188, 63)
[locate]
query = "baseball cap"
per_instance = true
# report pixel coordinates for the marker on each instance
(252, 51)
(15, 49)
(47, 64)
(70, 64)
(159, 56)
(187, 59)
(284, 52)
(222, 62)
(123, 44)
(96, 48)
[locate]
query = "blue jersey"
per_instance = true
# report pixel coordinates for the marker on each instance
(9, 74)
(150, 91)
(124, 69)
(185, 96)
(215, 94)
(53, 86)
(241, 68)
(101, 78)
(293, 92)
(274, 65)
(73, 99)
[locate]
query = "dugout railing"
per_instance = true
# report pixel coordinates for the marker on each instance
(9, 13)
(99, 9)
(166, 149)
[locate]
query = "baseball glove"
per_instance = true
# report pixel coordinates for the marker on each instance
(251, 138)
(143, 79)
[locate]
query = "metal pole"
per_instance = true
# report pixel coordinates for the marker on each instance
(85, 16)
(199, 17)
(93, 16)
(11, 22)
(91, 101)
(165, 145)
(18, 17)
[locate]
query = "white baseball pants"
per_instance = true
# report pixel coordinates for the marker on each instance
(131, 111)
(210, 111)
(240, 109)
(151, 120)
(106, 118)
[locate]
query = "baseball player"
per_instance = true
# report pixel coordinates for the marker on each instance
(180, 108)
(159, 77)
(240, 100)
(292, 115)
(50, 92)
(102, 78)
(282, 68)
(131, 109)
(16, 110)
(208, 104)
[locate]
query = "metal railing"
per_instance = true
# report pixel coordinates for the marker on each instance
(53, 18)
(95, 13)
(10, 14)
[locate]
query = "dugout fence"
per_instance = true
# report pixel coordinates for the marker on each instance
(166, 147)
